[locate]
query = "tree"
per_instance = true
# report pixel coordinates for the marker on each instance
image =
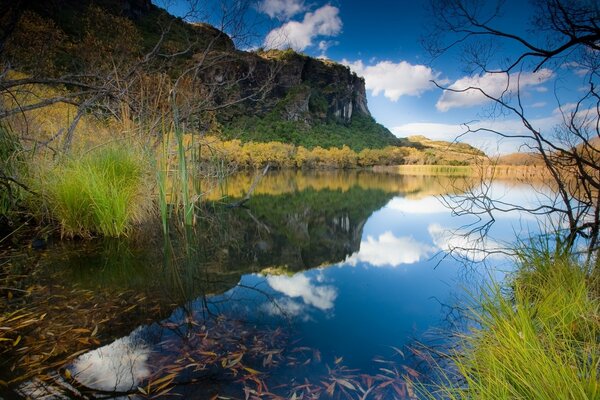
(564, 38)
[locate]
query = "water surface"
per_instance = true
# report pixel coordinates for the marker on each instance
(322, 284)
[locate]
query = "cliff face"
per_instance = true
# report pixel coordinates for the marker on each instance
(330, 90)
(296, 87)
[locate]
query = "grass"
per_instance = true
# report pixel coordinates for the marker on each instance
(101, 192)
(10, 165)
(539, 342)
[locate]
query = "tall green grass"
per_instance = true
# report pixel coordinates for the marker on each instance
(101, 192)
(541, 341)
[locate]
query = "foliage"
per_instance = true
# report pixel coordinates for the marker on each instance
(10, 165)
(101, 192)
(283, 155)
(540, 342)
(362, 132)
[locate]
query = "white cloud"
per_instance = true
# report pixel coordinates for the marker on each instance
(539, 104)
(493, 84)
(300, 285)
(324, 21)
(487, 141)
(389, 250)
(120, 366)
(395, 79)
(281, 9)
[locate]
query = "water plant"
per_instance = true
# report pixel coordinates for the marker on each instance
(100, 192)
(538, 342)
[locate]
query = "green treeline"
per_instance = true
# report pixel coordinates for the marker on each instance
(361, 133)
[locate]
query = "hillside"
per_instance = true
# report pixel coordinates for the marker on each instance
(92, 49)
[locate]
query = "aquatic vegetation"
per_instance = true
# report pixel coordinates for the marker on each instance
(540, 342)
(102, 192)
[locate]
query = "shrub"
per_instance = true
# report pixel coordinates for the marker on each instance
(100, 192)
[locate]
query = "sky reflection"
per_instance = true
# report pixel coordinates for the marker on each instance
(389, 290)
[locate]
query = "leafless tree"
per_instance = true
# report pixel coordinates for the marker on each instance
(562, 37)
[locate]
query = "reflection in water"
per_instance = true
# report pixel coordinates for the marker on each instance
(463, 243)
(290, 286)
(118, 367)
(300, 285)
(389, 250)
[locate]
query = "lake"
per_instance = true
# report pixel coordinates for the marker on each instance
(327, 283)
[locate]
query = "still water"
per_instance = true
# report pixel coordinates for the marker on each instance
(324, 283)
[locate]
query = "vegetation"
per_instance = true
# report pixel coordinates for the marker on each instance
(566, 36)
(362, 132)
(539, 341)
(283, 155)
(101, 192)
(11, 163)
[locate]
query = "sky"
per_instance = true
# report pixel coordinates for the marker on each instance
(380, 40)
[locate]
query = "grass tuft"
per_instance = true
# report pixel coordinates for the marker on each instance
(542, 341)
(100, 192)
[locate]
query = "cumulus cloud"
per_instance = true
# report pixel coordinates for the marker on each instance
(394, 79)
(390, 250)
(324, 21)
(300, 285)
(494, 84)
(281, 9)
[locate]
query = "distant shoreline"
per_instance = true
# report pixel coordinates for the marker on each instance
(536, 172)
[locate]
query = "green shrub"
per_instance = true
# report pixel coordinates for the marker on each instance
(98, 193)
(540, 342)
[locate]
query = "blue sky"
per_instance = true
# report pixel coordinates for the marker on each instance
(380, 40)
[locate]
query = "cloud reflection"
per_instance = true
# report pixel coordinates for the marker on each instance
(120, 366)
(286, 307)
(390, 250)
(426, 205)
(300, 285)
(470, 246)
